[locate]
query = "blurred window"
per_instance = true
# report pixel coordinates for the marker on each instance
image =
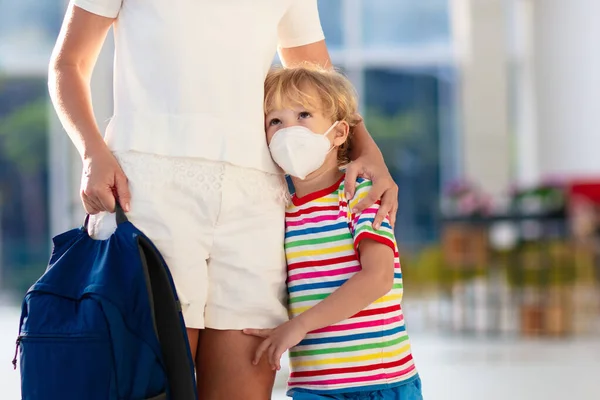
(403, 111)
(331, 13)
(405, 22)
(28, 29)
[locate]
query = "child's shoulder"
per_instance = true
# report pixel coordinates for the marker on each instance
(363, 184)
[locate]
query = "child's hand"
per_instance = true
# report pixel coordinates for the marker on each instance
(277, 341)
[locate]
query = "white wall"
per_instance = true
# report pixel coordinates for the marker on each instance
(547, 76)
(479, 35)
(567, 86)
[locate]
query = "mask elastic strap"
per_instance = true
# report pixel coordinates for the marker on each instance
(331, 128)
(327, 133)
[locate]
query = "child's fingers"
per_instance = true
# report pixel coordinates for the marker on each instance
(275, 354)
(271, 356)
(263, 333)
(278, 354)
(260, 351)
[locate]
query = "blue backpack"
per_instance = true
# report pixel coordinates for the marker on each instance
(104, 323)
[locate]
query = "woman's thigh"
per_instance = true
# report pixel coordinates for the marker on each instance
(224, 367)
(246, 273)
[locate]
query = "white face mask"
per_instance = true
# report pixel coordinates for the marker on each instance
(299, 151)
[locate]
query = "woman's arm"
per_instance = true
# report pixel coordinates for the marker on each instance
(77, 48)
(75, 53)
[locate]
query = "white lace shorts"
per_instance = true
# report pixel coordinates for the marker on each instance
(220, 229)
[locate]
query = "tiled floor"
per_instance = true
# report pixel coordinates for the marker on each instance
(528, 370)
(480, 369)
(451, 368)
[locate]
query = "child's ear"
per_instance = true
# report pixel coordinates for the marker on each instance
(341, 130)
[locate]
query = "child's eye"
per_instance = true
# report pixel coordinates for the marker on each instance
(304, 114)
(274, 122)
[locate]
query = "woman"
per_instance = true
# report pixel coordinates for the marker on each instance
(185, 156)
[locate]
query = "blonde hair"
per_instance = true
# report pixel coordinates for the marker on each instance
(336, 97)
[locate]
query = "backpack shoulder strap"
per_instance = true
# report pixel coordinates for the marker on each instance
(167, 323)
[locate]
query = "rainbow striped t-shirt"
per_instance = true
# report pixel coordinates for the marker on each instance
(370, 350)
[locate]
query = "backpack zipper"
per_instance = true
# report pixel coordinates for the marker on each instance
(14, 361)
(21, 337)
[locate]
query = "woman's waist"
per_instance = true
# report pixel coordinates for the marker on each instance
(192, 123)
(191, 135)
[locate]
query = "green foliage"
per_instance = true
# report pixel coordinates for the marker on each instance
(409, 130)
(554, 264)
(427, 268)
(23, 162)
(21, 280)
(402, 126)
(423, 268)
(558, 266)
(23, 136)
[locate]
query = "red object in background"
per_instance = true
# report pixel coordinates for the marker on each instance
(590, 190)
(584, 207)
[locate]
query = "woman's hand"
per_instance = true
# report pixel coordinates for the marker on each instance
(373, 167)
(277, 341)
(102, 182)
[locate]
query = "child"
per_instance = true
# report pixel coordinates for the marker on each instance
(346, 337)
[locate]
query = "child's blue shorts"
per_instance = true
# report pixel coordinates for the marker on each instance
(407, 391)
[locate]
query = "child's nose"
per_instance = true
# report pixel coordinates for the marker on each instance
(289, 124)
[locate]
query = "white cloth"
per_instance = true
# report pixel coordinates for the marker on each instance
(220, 228)
(189, 74)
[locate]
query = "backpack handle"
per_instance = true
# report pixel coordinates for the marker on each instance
(119, 215)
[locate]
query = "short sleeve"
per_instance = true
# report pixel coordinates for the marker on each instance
(104, 8)
(361, 224)
(300, 25)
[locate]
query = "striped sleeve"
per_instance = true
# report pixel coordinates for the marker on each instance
(361, 224)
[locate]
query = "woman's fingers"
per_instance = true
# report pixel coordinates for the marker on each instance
(90, 205)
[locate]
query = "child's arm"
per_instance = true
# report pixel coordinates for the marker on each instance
(376, 250)
(374, 280)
